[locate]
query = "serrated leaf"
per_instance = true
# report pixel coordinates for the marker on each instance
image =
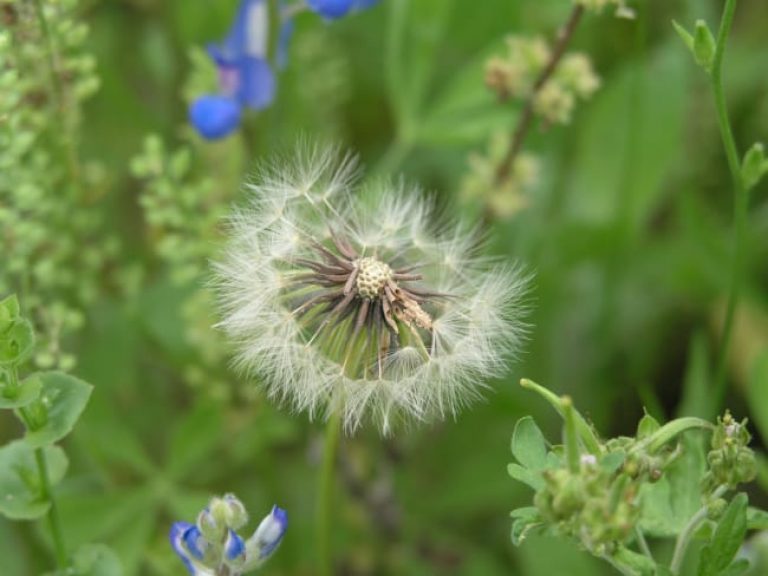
(727, 539)
(19, 479)
(26, 393)
(525, 476)
(529, 446)
(66, 398)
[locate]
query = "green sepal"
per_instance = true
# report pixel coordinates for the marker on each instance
(524, 521)
(22, 395)
(19, 479)
(685, 36)
(62, 400)
(647, 426)
(754, 166)
(704, 45)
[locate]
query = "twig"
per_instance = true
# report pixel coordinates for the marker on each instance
(526, 117)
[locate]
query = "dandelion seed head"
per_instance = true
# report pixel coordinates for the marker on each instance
(362, 301)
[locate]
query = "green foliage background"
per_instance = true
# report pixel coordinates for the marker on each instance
(628, 234)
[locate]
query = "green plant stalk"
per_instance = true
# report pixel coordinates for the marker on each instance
(741, 202)
(687, 534)
(325, 496)
(54, 522)
(643, 543)
(46, 493)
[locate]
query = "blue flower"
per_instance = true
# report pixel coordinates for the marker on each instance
(212, 546)
(246, 79)
(334, 9)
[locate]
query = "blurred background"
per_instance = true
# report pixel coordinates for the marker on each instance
(627, 229)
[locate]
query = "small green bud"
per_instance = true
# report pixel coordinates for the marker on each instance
(754, 166)
(716, 508)
(703, 45)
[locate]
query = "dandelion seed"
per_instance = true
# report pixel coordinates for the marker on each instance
(363, 302)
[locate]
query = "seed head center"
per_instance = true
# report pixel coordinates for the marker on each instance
(372, 276)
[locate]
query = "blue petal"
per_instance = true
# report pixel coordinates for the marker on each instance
(178, 531)
(234, 547)
(257, 83)
(248, 36)
(193, 542)
(331, 9)
(214, 116)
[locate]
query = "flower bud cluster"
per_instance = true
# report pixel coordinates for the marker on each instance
(212, 547)
(622, 10)
(509, 196)
(49, 216)
(514, 76)
(731, 461)
(595, 505)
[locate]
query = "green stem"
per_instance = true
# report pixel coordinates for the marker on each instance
(325, 496)
(741, 201)
(46, 493)
(54, 523)
(643, 544)
(685, 536)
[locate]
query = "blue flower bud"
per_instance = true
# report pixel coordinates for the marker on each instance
(214, 116)
(331, 9)
(177, 535)
(267, 536)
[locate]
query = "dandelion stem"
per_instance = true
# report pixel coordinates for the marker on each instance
(685, 536)
(526, 117)
(325, 495)
(741, 202)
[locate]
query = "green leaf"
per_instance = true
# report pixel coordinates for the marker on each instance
(739, 567)
(757, 519)
(669, 432)
(529, 445)
(612, 461)
(9, 309)
(19, 480)
(24, 394)
(65, 398)
(96, 560)
(754, 166)
(525, 476)
(194, 440)
(668, 504)
(17, 342)
(727, 539)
